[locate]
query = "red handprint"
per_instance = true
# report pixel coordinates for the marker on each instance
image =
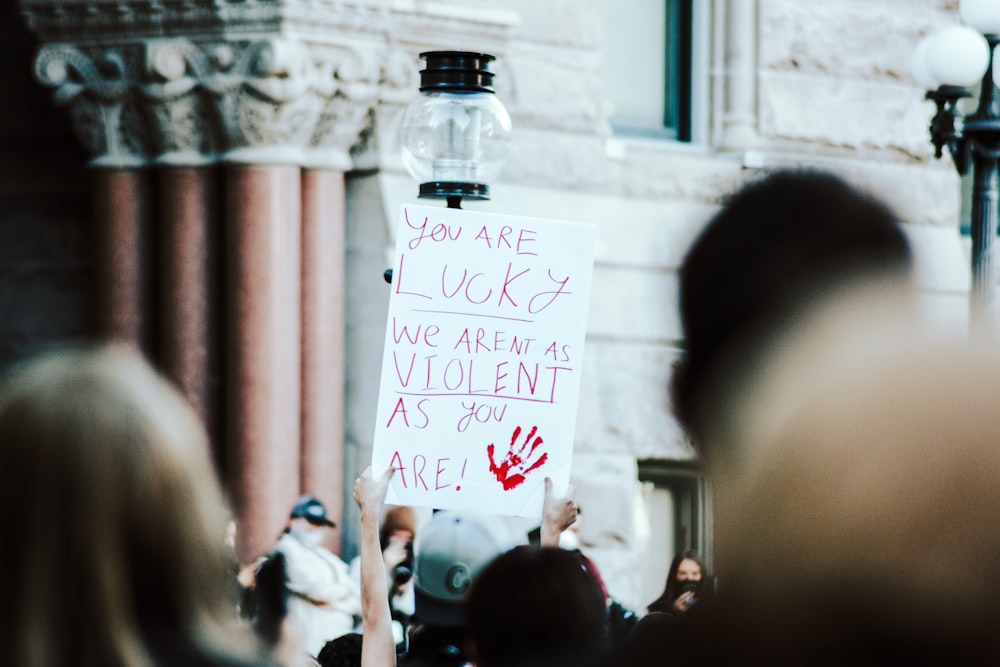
(516, 465)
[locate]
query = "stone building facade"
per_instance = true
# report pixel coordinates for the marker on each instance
(216, 181)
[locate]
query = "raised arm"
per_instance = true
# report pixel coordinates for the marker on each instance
(378, 648)
(558, 514)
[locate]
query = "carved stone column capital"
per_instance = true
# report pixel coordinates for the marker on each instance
(348, 95)
(181, 118)
(191, 82)
(96, 85)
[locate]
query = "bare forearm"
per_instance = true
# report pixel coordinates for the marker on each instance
(378, 649)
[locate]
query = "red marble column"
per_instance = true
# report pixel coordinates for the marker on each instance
(123, 227)
(263, 361)
(191, 266)
(323, 220)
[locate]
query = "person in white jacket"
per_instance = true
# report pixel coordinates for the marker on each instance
(323, 597)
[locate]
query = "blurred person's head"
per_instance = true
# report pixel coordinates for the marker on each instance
(688, 569)
(867, 533)
(112, 516)
(344, 651)
(308, 521)
(399, 523)
(778, 246)
(538, 606)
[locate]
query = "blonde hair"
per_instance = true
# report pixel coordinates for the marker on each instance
(113, 516)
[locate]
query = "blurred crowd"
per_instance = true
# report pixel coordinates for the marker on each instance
(854, 456)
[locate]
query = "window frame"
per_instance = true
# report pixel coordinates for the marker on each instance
(686, 80)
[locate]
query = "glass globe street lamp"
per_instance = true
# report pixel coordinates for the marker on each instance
(948, 64)
(455, 137)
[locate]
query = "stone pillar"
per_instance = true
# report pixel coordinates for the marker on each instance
(263, 244)
(190, 283)
(123, 237)
(323, 221)
(93, 83)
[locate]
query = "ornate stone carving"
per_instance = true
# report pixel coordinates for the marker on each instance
(267, 101)
(96, 86)
(185, 125)
(183, 82)
(348, 90)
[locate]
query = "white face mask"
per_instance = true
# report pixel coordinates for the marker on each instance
(309, 536)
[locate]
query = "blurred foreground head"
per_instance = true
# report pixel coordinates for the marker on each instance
(536, 606)
(778, 247)
(112, 516)
(868, 532)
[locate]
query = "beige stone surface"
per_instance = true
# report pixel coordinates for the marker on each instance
(565, 23)
(838, 116)
(608, 493)
(844, 39)
(625, 402)
(556, 88)
(630, 304)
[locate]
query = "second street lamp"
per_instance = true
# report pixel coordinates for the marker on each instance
(948, 64)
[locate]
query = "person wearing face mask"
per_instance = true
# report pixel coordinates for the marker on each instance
(684, 584)
(687, 588)
(323, 598)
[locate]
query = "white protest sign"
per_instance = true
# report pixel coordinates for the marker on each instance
(482, 360)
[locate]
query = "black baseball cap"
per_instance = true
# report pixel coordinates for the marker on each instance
(312, 510)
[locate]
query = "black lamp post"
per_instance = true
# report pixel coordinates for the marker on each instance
(949, 63)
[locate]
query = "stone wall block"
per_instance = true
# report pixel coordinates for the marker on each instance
(579, 162)
(602, 483)
(651, 234)
(563, 23)
(563, 160)
(556, 89)
(634, 304)
(666, 172)
(819, 114)
(920, 194)
(607, 491)
(845, 39)
(941, 259)
(625, 402)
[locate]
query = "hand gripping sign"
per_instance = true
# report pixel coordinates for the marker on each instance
(482, 360)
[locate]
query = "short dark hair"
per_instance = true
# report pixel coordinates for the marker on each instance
(776, 243)
(344, 651)
(534, 602)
